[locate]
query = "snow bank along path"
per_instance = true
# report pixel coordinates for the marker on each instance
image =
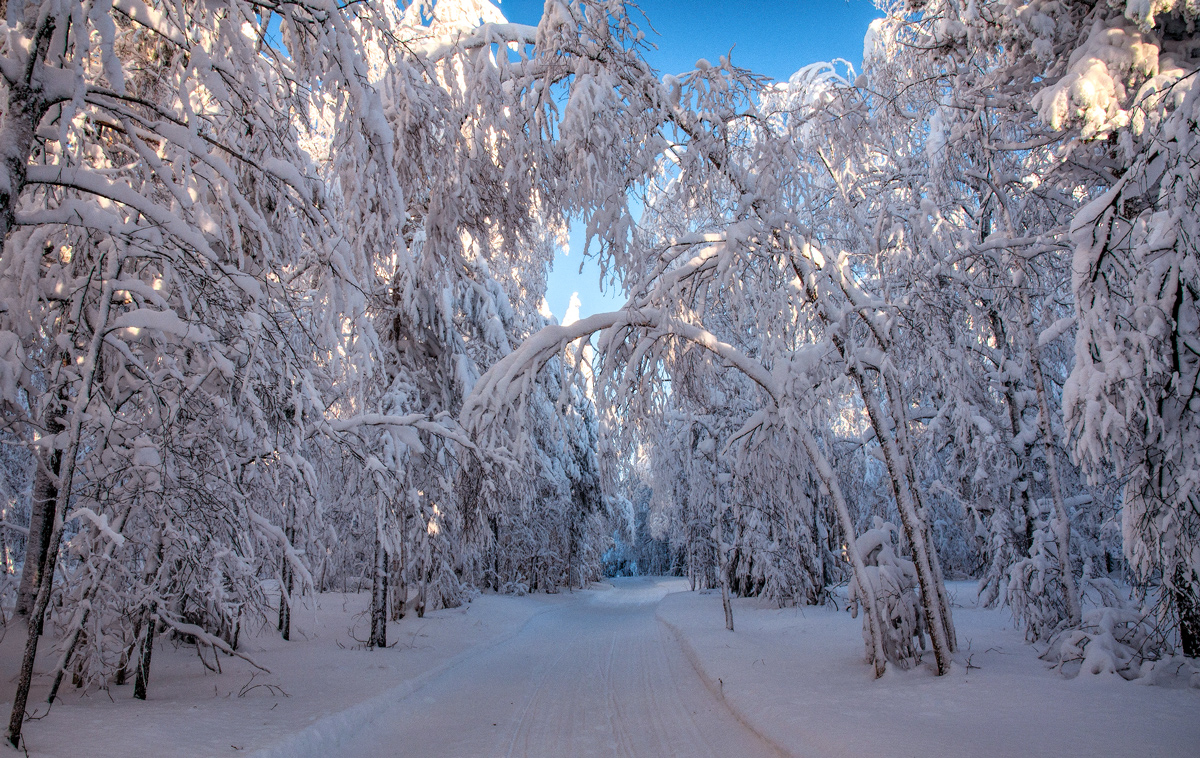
(599, 677)
(797, 676)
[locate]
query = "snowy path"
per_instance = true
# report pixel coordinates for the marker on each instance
(601, 677)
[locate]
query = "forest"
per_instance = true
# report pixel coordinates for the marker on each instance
(273, 323)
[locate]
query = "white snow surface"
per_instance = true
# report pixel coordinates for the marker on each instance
(639, 667)
(797, 676)
(599, 677)
(334, 686)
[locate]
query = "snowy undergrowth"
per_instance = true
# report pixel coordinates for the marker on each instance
(323, 686)
(796, 675)
(1123, 641)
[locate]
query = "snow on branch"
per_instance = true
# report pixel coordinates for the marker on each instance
(100, 521)
(211, 640)
(289, 550)
(434, 49)
(505, 381)
(404, 426)
(150, 18)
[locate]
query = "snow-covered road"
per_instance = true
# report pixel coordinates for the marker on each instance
(600, 677)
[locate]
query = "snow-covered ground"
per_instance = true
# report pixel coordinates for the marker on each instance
(636, 668)
(797, 676)
(323, 684)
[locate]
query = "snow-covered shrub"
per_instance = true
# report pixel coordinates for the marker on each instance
(1110, 641)
(894, 581)
(1034, 591)
(1117, 637)
(514, 588)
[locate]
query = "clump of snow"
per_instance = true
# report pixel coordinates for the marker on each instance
(1093, 92)
(1119, 641)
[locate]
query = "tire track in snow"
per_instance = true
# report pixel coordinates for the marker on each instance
(599, 678)
(716, 690)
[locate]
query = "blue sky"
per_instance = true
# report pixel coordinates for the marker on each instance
(770, 37)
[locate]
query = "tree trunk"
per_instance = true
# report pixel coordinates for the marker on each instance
(1062, 520)
(933, 594)
(398, 589)
(833, 490)
(571, 555)
(895, 448)
(141, 679)
(143, 646)
(285, 578)
(62, 499)
(78, 632)
(285, 605)
(41, 526)
(691, 567)
(1024, 481)
(722, 552)
(19, 119)
(726, 603)
(379, 595)
(1187, 605)
(425, 570)
(495, 553)
(127, 656)
(25, 678)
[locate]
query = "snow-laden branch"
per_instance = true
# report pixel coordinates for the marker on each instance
(289, 550)
(90, 182)
(434, 49)
(410, 422)
(151, 19)
(100, 521)
(504, 382)
(211, 640)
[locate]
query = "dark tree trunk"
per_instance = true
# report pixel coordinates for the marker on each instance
(286, 585)
(285, 606)
(19, 121)
(143, 646)
(571, 558)
(127, 656)
(41, 525)
(495, 526)
(76, 638)
(426, 571)
(1187, 605)
(142, 675)
(45, 585)
(399, 590)
(398, 581)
